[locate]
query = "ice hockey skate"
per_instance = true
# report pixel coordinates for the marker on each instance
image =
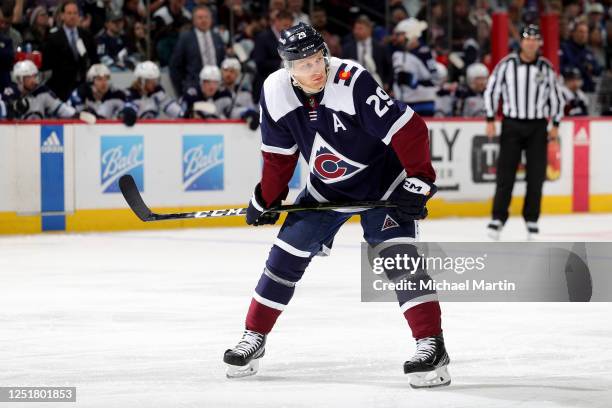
(428, 366)
(243, 360)
(532, 230)
(494, 229)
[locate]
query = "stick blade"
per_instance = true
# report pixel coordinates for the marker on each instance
(130, 192)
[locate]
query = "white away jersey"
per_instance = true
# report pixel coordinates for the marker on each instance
(343, 132)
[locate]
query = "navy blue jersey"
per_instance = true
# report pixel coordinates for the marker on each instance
(344, 132)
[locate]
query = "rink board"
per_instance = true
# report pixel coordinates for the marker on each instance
(62, 175)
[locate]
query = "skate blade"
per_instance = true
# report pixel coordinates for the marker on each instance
(243, 371)
(430, 379)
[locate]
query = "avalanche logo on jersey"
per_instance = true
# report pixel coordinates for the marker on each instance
(121, 155)
(330, 166)
(389, 223)
(202, 162)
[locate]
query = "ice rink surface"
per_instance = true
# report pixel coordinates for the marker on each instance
(141, 319)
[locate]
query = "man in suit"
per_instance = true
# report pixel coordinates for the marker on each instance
(361, 47)
(195, 49)
(68, 53)
(265, 53)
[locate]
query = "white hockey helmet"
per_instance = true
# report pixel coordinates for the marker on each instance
(22, 69)
(411, 27)
(231, 63)
(442, 71)
(476, 70)
(210, 73)
(97, 70)
(147, 70)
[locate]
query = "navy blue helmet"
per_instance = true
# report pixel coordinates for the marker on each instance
(300, 41)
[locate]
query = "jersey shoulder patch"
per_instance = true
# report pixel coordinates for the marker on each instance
(343, 75)
(279, 95)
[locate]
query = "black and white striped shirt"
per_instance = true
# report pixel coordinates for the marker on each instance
(527, 90)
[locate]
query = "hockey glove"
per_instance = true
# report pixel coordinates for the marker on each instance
(255, 213)
(252, 118)
(411, 198)
(21, 107)
(129, 117)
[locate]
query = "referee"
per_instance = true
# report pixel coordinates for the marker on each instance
(530, 94)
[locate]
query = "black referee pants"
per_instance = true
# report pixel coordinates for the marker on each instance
(516, 136)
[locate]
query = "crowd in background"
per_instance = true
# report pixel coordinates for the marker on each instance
(60, 58)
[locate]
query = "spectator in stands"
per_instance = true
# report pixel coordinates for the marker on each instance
(463, 29)
(265, 54)
(233, 16)
(27, 99)
(195, 48)
(206, 101)
(133, 11)
(2, 109)
(362, 48)
(576, 102)
(576, 54)
(469, 98)
(136, 43)
(296, 7)
(37, 32)
(596, 43)
(596, 21)
(68, 53)
(415, 71)
(146, 98)
(276, 5)
(97, 96)
(318, 19)
(7, 54)
(6, 24)
(96, 13)
(169, 20)
(112, 50)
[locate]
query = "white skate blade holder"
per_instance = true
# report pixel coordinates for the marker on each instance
(430, 379)
(234, 371)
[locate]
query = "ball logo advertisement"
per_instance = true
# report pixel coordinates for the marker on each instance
(121, 155)
(203, 159)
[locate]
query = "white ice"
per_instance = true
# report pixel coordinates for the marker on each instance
(141, 319)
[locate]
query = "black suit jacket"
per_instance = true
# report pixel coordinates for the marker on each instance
(381, 58)
(186, 61)
(266, 59)
(67, 71)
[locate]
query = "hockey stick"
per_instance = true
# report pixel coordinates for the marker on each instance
(134, 199)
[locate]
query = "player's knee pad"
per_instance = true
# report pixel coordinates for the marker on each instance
(406, 265)
(286, 266)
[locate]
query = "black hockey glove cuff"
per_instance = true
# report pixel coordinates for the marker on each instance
(255, 213)
(129, 117)
(411, 198)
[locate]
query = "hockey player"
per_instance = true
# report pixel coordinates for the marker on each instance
(241, 106)
(146, 98)
(360, 145)
(576, 101)
(415, 71)
(97, 96)
(27, 99)
(445, 95)
(469, 102)
(206, 101)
